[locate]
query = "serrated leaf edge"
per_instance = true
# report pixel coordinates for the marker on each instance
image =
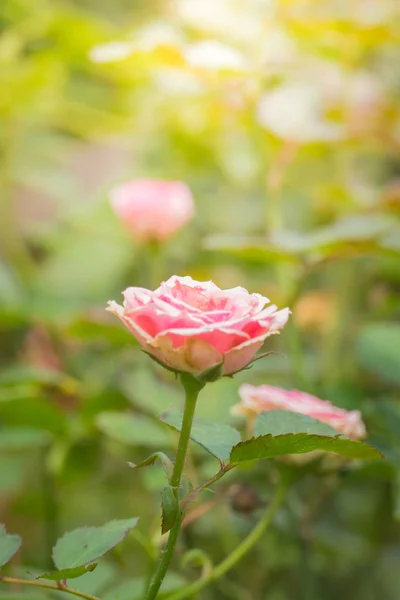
(14, 536)
(379, 454)
(87, 527)
(165, 528)
(195, 440)
(89, 567)
(152, 459)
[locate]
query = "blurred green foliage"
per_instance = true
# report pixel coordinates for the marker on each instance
(291, 148)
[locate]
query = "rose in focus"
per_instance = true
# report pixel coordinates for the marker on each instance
(256, 399)
(192, 326)
(152, 209)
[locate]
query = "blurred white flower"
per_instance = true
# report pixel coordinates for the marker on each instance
(159, 33)
(297, 109)
(147, 39)
(351, 88)
(294, 111)
(277, 48)
(179, 82)
(111, 52)
(212, 54)
(367, 12)
(236, 20)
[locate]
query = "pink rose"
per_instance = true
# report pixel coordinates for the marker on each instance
(191, 326)
(267, 397)
(153, 209)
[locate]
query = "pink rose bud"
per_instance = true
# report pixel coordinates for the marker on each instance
(193, 327)
(256, 399)
(152, 209)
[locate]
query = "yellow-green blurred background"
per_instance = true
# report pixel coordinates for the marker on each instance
(283, 119)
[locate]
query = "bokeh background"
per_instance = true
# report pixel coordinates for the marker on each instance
(283, 118)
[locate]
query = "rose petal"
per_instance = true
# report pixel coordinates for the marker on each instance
(207, 286)
(184, 317)
(151, 208)
(278, 320)
(135, 297)
(267, 397)
(238, 358)
(155, 322)
(194, 356)
(220, 338)
(141, 335)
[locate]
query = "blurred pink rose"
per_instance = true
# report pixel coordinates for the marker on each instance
(152, 209)
(255, 400)
(191, 326)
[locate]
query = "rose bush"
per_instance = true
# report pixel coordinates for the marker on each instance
(256, 399)
(191, 326)
(152, 209)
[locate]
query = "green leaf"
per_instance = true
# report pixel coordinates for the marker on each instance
(344, 235)
(358, 227)
(268, 446)
(148, 462)
(94, 583)
(17, 392)
(253, 250)
(9, 545)
(68, 573)
(378, 350)
(217, 438)
(35, 413)
(132, 429)
(35, 376)
(358, 231)
(278, 422)
(23, 438)
(86, 544)
(212, 374)
(170, 508)
(283, 432)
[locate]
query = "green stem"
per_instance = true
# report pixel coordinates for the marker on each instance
(239, 552)
(47, 586)
(192, 388)
(192, 495)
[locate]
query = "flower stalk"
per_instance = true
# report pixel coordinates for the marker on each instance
(192, 388)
